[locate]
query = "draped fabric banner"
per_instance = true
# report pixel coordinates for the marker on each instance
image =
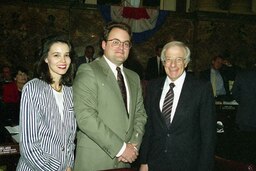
(144, 22)
(140, 19)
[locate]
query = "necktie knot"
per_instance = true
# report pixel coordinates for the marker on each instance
(118, 69)
(172, 85)
(119, 74)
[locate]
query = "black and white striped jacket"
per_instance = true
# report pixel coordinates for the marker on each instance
(46, 143)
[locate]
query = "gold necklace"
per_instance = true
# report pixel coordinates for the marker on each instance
(58, 90)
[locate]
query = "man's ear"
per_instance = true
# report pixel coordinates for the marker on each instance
(103, 44)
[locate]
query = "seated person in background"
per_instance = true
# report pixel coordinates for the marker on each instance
(5, 77)
(217, 78)
(229, 69)
(12, 94)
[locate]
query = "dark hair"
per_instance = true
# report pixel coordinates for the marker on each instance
(21, 69)
(6, 66)
(42, 70)
(217, 56)
(89, 47)
(113, 24)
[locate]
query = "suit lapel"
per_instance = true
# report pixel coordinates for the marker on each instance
(110, 78)
(185, 98)
(131, 88)
(157, 96)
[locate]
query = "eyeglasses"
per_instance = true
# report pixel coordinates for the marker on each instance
(117, 43)
(178, 60)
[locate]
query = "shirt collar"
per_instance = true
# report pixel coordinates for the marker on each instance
(112, 65)
(179, 82)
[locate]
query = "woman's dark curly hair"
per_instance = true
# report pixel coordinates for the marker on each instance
(42, 70)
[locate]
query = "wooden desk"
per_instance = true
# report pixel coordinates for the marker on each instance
(9, 150)
(237, 146)
(226, 113)
(9, 156)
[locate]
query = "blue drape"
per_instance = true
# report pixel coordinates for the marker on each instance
(137, 37)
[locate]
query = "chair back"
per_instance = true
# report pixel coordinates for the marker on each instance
(222, 164)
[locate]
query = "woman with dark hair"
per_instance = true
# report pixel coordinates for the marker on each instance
(47, 121)
(12, 91)
(12, 94)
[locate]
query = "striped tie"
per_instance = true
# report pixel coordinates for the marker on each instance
(120, 80)
(167, 106)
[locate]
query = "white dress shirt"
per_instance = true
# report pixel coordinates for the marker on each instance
(113, 68)
(177, 90)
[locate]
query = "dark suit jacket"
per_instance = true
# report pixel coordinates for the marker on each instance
(188, 145)
(81, 60)
(152, 69)
(244, 92)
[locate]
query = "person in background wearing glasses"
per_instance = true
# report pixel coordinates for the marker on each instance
(179, 135)
(110, 130)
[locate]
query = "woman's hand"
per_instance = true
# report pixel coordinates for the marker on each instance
(143, 167)
(69, 169)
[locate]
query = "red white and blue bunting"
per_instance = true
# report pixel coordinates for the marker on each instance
(144, 22)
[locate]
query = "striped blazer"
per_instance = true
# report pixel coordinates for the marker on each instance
(46, 143)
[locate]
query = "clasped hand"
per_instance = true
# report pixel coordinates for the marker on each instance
(130, 154)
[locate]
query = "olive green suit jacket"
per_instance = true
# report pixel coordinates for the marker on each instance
(103, 125)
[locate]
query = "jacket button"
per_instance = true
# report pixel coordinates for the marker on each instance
(62, 149)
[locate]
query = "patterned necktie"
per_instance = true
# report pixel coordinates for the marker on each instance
(167, 106)
(120, 80)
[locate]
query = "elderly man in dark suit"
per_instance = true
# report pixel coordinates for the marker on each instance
(182, 139)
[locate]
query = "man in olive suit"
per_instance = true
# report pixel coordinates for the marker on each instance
(111, 126)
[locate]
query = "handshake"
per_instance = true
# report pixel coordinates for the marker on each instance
(130, 153)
